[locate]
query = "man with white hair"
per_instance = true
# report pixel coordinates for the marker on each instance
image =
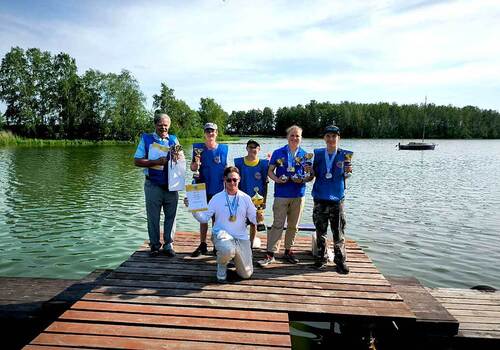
(153, 153)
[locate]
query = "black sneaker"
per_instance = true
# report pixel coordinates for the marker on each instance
(290, 257)
(202, 249)
(320, 265)
(154, 252)
(169, 252)
(342, 268)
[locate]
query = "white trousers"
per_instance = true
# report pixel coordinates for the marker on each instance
(237, 249)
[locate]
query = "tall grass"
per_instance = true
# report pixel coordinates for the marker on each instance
(9, 139)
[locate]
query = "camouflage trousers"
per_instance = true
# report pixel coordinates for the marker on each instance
(324, 213)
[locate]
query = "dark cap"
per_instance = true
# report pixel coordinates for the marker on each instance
(331, 129)
(253, 142)
(212, 126)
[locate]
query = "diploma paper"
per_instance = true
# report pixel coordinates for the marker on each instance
(197, 197)
(156, 151)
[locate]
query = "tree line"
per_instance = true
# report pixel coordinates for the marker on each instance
(45, 97)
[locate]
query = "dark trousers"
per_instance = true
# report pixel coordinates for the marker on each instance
(329, 212)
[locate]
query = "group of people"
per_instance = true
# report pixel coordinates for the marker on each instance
(229, 190)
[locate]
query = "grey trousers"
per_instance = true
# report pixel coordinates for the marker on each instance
(237, 249)
(156, 199)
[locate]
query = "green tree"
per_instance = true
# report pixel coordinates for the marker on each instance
(185, 121)
(210, 111)
(266, 125)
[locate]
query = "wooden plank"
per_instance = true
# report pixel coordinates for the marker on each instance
(248, 296)
(465, 294)
(431, 316)
(210, 263)
(177, 321)
(191, 286)
(261, 282)
(326, 278)
(396, 309)
(171, 333)
(478, 312)
(469, 306)
(181, 311)
(479, 334)
(109, 342)
(480, 326)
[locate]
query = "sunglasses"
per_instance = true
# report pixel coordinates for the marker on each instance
(232, 179)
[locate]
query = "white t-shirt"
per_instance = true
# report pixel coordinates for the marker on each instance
(218, 206)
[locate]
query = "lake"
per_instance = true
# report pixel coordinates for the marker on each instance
(65, 212)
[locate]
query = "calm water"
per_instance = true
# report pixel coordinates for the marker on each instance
(434, 215)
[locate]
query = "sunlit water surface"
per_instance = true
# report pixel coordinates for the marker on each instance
(65, 212)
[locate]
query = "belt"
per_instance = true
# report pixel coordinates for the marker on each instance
(163, 187)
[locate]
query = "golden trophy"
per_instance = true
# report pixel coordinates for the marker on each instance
(197, 153)
(308, 162)
(347, 162)
(298, 161)
(258, 201)
(176, 152)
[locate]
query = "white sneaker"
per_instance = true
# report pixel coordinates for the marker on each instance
(221, 273)
(266, 261)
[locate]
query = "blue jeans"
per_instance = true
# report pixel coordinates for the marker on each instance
(156, 199)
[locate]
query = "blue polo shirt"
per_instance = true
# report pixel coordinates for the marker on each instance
(213, 163)
(331, 189)
(252, 176)
(280, 160)
(147, 141)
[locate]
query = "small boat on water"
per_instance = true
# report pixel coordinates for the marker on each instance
(416, 146)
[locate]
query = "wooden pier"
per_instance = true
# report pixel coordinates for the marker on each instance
(149, 303)
(176, 303)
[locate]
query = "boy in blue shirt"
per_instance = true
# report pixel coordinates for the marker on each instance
(253, 172)
(211, 164)
(330, 167)
(286, 169)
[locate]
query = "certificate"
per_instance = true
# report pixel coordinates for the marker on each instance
(156, 151)
(197, 197)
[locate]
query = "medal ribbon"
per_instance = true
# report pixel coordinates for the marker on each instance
(329, 161)
(291, 157)
(233, 207)
(215, 152)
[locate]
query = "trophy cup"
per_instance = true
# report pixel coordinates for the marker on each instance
(347, 162)
(308, 162)
(298, 161)
(197, 153)
(280, 163)
(175, 152)
(258, 201)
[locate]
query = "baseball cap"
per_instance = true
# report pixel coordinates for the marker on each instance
(212, 126)
(253, 142)
(331, 129)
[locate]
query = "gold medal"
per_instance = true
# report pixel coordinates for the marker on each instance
(232, 218)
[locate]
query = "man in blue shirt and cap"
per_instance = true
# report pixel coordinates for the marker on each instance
(330, 168)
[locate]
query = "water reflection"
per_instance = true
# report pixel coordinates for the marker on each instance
(67, 211)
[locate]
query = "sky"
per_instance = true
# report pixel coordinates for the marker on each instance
(256, 54)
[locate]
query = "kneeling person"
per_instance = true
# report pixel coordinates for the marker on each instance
(231, 208)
